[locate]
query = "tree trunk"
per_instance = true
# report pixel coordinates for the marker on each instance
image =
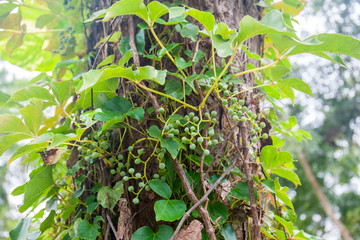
(129, 217)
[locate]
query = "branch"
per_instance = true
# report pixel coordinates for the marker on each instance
(323, 199)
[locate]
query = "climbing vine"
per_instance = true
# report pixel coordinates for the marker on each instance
(191, 135)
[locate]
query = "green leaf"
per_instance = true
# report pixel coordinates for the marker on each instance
(161, 188)
(96, 15)
(140, 41)
(33, 116)
(154, 132)
(27, 93)
(169, 210)
(87, 231)
(223, 30)
(62, 91)
(127, 7)
(268, 154)
(286, 91)
(21, 230)
(145, 233)
(106, 61)
(219, 212)
(188, 30)
(150, 73)
(269, 185)
(12, 124)
(223, 47)
(205, 18)
(125, 58)
(125, 45)
(117, 104)
(48, 222)
(29, 148)
(6, 8)
(6, 141)
(275, 19)
(249, 27)
(289, 215)
(44, 19)
(101, 98)
(281, 158)
(38, 184)
(115, 194)
(175, 89)
(278, 72)
(288, 225)
(241, 191)
(287, 174)
(156, 10)
(228, 232)
(298, 84)
(137, 113)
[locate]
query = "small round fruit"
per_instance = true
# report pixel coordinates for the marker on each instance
(211, 132)
(131, 170)
(195, 119)
(111, 160)
(107, 134)
(213, 113)
(241, 102)
(254, 139)
(140, 151)
(187, 130)
(192, 146)
(161, 110)
(210, 143)
(171, 135)
(215, 141)
(166, 128)
(192, 128)
(141, 184)
(122, 173)
(200, 140)
(176, 131)
(156, 175)
(184, 139)
(163, 178)
(138, 175)
(253, 116)
(88, 151)
(235, 118)
(170, 126)
(252, 131)
(233, 100)
(113, 171)
(95, 155)
(193, 134)
(136, 201)
(87, 158)
(224, 102)
(147, 188)
(177, 122)
(130, 148)
(262, 124)
(231, 111)
(243, 119)
(226, 93)
(265, 136)
(161, 155)
(206, 152)
(80, 148)
(213, 120)
(207, 115)
(120, 157)
(130, 188)
(125, 178)
(191, 115)
(120, 165)
(162, 165)
(244, 108)
(137, 161)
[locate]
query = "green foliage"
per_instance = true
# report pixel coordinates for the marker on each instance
(107, 142)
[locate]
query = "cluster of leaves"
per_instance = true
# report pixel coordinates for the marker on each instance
(98, 133)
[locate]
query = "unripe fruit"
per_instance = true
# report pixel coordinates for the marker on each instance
(211, 132)
(184, 139)
(192, 128)
(187, 130)
(120, 165)
(88, 151)
(233, 100)
(111, 160)
(171, 135)
(162, 165)
(192, 146)
(131, 170)
(122, 173)
(120, 157)
(243, 119)
(166, 128)
(161, 110)
(130, 188)
(136, 201)
(252, 131)
(215, 141)
(206, 152)
(213, 113)
(107, 134)
(177, 122)
(224, 102)
(138, 175)
(191, 115)
(231, 111)
(156, 175)
(126, 178)
(163, 178)
(140, 151)
(226, 93)
(213, 120)
(262, 124)
(147, 188)
(161, 155)
(244, 108)
(87, 158)
(80, 148)
(253, 116)
(195, 119)
(265, 136)
(235, 118)
(207, 115)
(137, 161)
(130, 148)
(141, 184)
(95, 155)
(254, 139)
(113, 171)
(193, 134)
(241, 102)
(200, 140)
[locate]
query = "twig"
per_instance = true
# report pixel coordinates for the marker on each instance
(217, 182)
(112, 227)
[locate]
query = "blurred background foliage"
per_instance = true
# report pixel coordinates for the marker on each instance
(333, 119)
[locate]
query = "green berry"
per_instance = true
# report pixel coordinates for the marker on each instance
(136, 201)
(120, 157)
(122, 173)
(253, 116)
(243, 119)
(215, 141)
(184, 139)
(163, 178)
(265, 136)
(191, 115)
(221, 86)
(113, 171)
(176, 131)
(187, 130)
(213, 120)
(166, 128)
(130, 148)
(213, 113)
(206, 152)
(141, 184)
(88, 151)
(200, 140)
(211, 132)
(262, 124)
(249, 112)
(125, 178)
(224, 102)
(192, 146)
(120, 165)
(207, 115)
(147, 188)
(107, 134)
(170, 126)
(231, 111)
(192, 128)
(233, 100)
(131, 170)
(254, 139)
(209, 143)
(244, 108)
(156, 175)
(138, 175)
(195, 119)
(161, 155)
(130, 188)
(171, 135)
(162, 165)
(80, 148)
(87, 158)
(95, 155)
(226, 93)
(161, 110)
(193, 134)
(140, 151)
(111, 160)
(252, 131)
(235, 118)
(177, 122)
(241, 102)
(137, 161)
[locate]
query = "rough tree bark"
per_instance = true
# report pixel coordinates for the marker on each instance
(130, 217)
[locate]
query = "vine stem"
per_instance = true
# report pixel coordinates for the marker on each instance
(258, 86)
(168, 96)
(218, 79)
(198, 203)
(257, 69)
